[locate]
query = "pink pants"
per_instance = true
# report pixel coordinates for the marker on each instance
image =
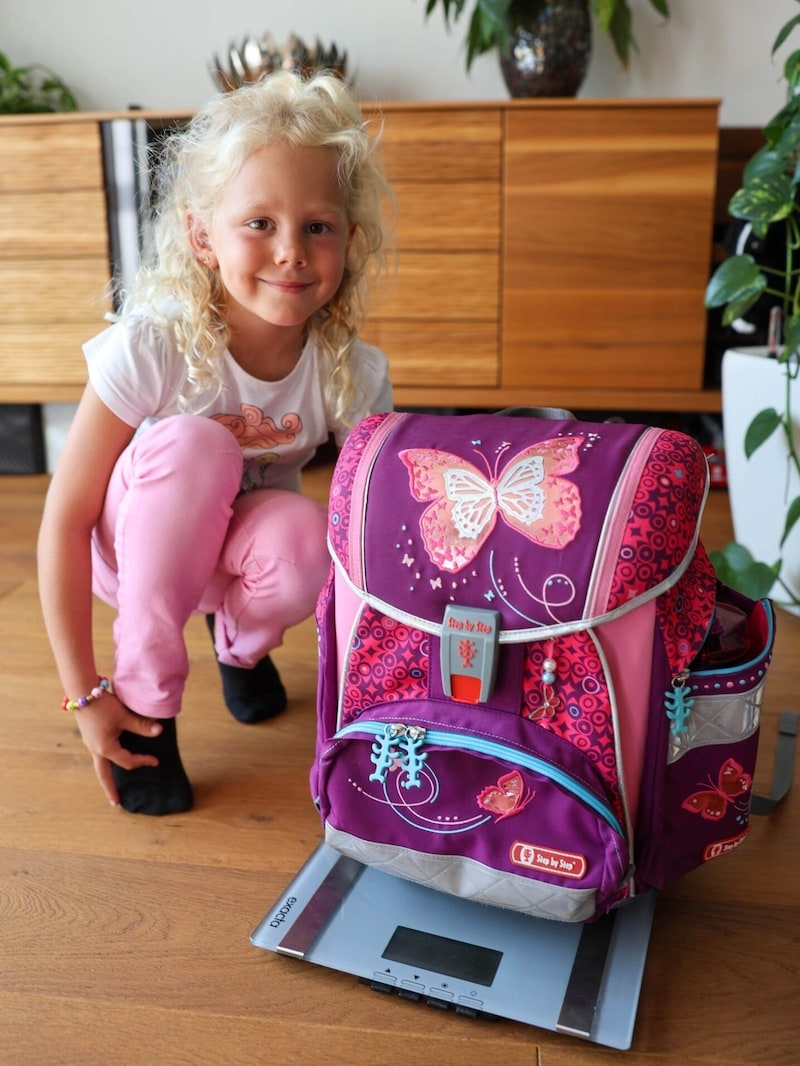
(176, 538)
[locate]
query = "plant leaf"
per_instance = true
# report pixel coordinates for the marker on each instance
(792, 515)
(760, 429)
(621, 31)
(791, 336)
(737, 556)
(603, 11)
(736, 567)
(784, 33)
(488, 27)
(767, 198)
(758, 580)
(737, 278)
(661, 7)
(766, 162)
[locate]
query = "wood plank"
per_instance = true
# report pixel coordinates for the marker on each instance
(427, 354)
(424, 145)
(582, 338)
(75, 287)
(441, 287)
(35, 354)
(40, 392)
(68, 223)
(49, 155)
(447, 217)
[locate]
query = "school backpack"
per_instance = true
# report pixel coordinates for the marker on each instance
(533, 690)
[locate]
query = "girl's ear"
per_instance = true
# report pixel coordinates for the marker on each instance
(199, 240)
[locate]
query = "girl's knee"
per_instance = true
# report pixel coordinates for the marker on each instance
(187, 443)
(286, 526)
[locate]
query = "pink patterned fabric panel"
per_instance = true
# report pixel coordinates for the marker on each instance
(684, 612)
(388, 661)
(662, 521)
(576, 705)
(341, 484)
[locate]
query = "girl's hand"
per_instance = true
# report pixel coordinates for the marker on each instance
(100, 725)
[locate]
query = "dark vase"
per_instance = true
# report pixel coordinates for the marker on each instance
(549, 47)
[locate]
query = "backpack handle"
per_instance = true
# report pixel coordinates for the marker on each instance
(554, 413)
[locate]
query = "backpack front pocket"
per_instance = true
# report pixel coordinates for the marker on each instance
(466, 802)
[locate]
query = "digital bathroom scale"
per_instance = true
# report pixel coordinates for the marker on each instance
(453, 954)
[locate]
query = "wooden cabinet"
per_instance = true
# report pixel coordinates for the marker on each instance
(54, 263)
(549, 252)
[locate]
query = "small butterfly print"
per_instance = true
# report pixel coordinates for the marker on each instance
(530, 495)
(507, 797)
(712, 803)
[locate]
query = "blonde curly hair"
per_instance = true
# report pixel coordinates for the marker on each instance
(198, 163)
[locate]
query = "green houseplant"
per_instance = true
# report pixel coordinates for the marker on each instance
(769, 200)
(489, 22)
(32, 89)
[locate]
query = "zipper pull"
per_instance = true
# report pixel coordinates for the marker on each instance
(384, 754)
(415, 758)
(678, 703)
(399, 747)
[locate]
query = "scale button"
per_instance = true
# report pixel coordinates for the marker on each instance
(469, 1007)
(413, 986)
(442, 993)
(438, 1004)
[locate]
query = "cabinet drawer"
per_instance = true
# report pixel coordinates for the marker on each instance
(51, 224)
(46, 156)
(434, 353)
(53, 290)
(46, 354)
(445, 145)
(601, 339)
(446, 286)
(456, 216)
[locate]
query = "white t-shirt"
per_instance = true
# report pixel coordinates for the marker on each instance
(138, 374)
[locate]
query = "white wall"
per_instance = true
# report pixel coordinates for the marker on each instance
(114, 53)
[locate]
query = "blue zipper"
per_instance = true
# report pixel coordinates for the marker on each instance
(481, 746)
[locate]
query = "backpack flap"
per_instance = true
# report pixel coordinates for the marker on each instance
(555, 525)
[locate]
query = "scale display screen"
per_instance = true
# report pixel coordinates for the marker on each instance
(441, 954)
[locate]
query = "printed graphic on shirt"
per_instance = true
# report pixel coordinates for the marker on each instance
(253, 429)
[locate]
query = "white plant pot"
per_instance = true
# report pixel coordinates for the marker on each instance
(761, 487)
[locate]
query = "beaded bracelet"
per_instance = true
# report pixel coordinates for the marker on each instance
(103, 685)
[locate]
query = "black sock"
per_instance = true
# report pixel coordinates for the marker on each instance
(251, 695)
(162, 789)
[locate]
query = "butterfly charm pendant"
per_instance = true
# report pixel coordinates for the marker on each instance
(463, 503)
(712, 803)
(507, 797)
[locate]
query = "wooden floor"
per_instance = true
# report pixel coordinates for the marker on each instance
(125, 939)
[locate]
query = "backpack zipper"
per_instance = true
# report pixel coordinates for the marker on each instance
(411, 738)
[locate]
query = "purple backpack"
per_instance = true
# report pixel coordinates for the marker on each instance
(533, 690)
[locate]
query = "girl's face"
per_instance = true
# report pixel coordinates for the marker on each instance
(279, 238)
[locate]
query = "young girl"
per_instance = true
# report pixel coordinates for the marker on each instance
(177, 490)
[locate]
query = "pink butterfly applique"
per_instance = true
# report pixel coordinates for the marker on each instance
(530, 495)
(507, 797)
(712, 803)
